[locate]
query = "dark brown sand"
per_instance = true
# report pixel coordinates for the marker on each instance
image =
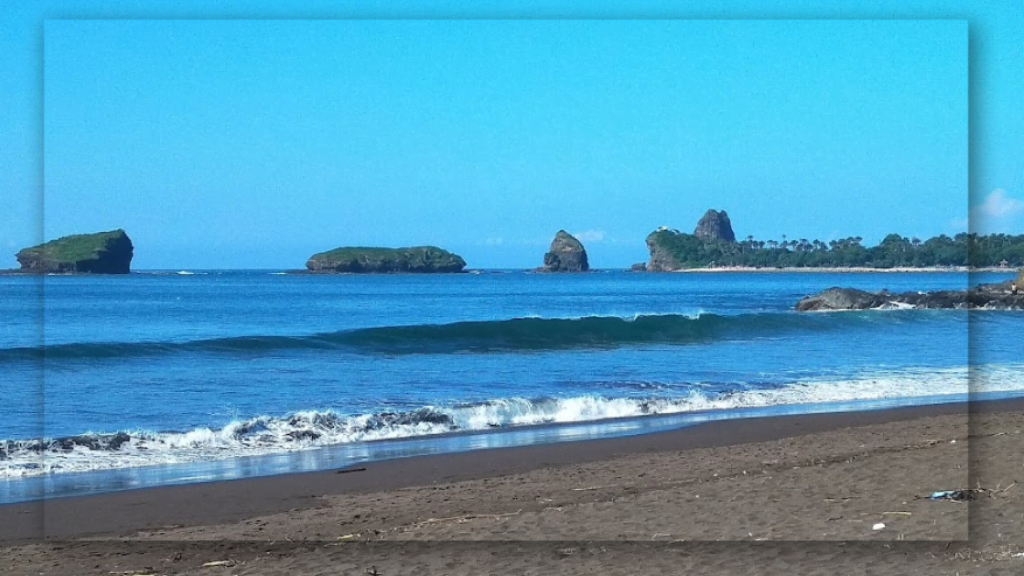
(788, 495)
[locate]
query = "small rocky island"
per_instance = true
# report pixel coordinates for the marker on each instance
(365, 260)
(985, 297)
(566, 254)
(100, 253)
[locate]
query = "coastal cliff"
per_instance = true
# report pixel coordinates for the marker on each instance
(100, 253)
(660, 244)
(417, 259)
(672, 250)
(566, 254)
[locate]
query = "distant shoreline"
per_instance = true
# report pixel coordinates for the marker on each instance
(714, 270)
(850, 270)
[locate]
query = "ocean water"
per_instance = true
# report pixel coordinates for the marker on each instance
(114, 382)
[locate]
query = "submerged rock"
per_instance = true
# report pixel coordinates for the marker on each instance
(417, 259)
(566, 254)
(100, 253)
(386, 420)
(117, 440)
(715, 225)
(303, 435)
(987, 297)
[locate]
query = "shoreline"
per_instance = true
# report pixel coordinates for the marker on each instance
(852, 270)
(360, 453)
(124, 512)
(812, 494)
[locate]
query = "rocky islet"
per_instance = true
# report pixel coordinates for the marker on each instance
(362, 260)
(566, 254)
(99, 253)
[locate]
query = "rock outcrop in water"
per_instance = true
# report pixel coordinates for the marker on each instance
(986, 297)
(715, 225)
(417, 259)
(99, 253)
(566, 254)
(64, 444)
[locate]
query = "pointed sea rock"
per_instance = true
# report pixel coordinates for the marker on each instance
(566, 254)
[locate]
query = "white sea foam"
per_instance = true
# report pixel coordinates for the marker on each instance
(311, 429)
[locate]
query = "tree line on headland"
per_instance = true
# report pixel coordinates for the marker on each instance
(714, 244)
(894, 251)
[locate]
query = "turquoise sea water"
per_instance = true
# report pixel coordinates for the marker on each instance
(165, 377)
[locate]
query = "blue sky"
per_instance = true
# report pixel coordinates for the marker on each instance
(253, 143)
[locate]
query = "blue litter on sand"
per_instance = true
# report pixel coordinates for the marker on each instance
(955, 495)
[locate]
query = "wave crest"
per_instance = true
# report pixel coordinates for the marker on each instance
(517, 334)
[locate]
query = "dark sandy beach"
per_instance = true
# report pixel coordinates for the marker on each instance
(785, 495)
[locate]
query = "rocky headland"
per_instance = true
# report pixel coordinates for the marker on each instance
(985, 297)
(714, 245)
(663, 245)
(671, 250)
(370, 260)
(100, 253)
(566, 254)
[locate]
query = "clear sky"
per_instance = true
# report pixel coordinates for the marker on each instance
(254, 143)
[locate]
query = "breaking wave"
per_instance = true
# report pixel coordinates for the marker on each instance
(311, 429)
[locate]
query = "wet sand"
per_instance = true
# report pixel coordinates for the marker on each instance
(785, 495)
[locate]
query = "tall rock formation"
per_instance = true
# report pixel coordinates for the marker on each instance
(100, 253)
(566, 254)
(715, 225)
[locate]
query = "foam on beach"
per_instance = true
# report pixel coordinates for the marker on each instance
(310, 429)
